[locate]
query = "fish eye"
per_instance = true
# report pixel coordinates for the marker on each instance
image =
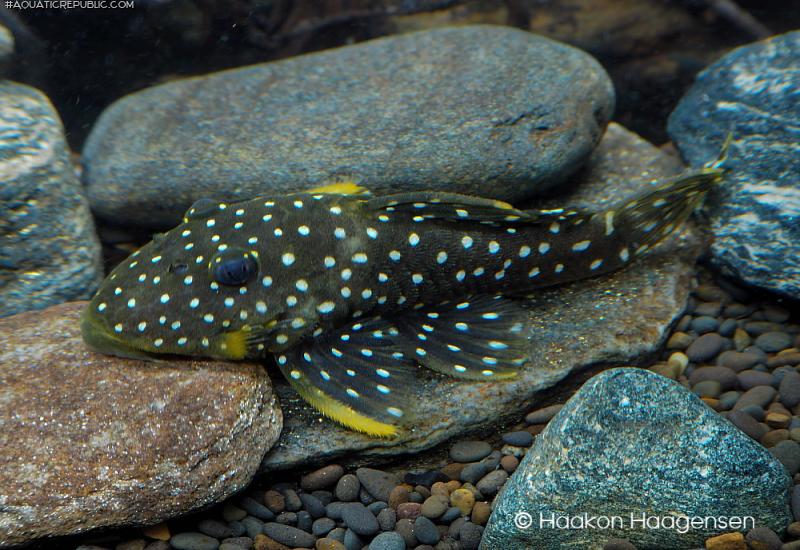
(233, 267)
(178, 269)
(201, 209)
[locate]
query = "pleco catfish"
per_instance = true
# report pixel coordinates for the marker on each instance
(351, 292)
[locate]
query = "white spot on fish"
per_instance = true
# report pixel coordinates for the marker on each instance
(164, 298)
(595, 264)
(394, 255)
(555, 228)
(417, 278)
(132, 303)
(266, 281)
(208, 317)
(304, 230)
(326, 307)
(339, 233)
(194, 302)
(372, 232)
(524, 251)
(261, 307)
(580, 246)
(624, 254)
(329, 261)
(544, 248)
(559, 268)
(346, 274)
(441, 257)
(188, 280)
(335, 210)
(466, 241)
(533, 272)
(301, 285)
(609, 222)
(413, 239)
(359, 258)
(287, 258)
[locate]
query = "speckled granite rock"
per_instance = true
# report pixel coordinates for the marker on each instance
(489, 110)
(610, 319)
(751, 92)
(49, 252)
(633, 442)
(90, 440)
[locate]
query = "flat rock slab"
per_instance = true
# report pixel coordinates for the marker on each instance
(753, 93)
(49, 252)
(91, 441)
(491, 111)
(631, 443)
(612, 319)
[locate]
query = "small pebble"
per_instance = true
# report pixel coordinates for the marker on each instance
(450, 515)
(490, 484)
(388, 541)
(749, 425)
(425, 478)
(727, 541)
(470, 451)
(679, 341)
(322, 478)
(470, 536)
(788, 453)
(463, 499)
(726, 377)
(679, 360)
(727, 328)
(312, 505)
(399, 495)
(274, 501)
(760, 395)
(356, 516)
(518, 439)
(763, 538)
(288, 535)
(387, 518)
(737, 360)
(330, 544)
(757, 328)
(473, 472)
(749, 379)
(741, 340)
(728, 399)
(707, 388)
(509, 463)
(347, 488)
(193, 541)
(292, 499)
(481, 512)
(352, 541)
(793, 530)
(322, 526)
(776, 314)
(543, 415)
(408, 510)
(737, 311)
(705, 347)
(377, 483)
(405, 527)
(774, 437)
(232, 513)
(789, 389)
(425, 531)
(434, 506)
(774, 341)
(213, 528)
(777, 420)
(704, 323)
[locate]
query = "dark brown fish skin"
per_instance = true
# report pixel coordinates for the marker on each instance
(316, 264)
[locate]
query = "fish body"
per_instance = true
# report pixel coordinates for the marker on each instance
(351, 293)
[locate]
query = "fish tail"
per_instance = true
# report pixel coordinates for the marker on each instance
(654, 215)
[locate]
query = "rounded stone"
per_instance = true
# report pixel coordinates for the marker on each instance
(737, 360)
(322, 478)
(363, 522)
(705, 347)
(774, 341)
(347, 488)
(724, 376)
(704, 324)
(788, 452)
(490, 484)
(48, 245)
(322, 526)
(388, 541)
(481, 512)
(754, 222)
(543, 415)
(707, 388)
(789, 389)
(463, 499)
(760, 396)
(434, 506)
(288, 535)
(470, 536)
(470, 451)
(520, 438)
(425, 531)
(193, 541)
(506, 113)
(749, 379)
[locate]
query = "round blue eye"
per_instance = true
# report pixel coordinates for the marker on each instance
(234, 267)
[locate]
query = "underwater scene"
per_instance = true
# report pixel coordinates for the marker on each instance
(400, 274)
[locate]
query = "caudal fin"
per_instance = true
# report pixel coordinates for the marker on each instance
(652, 216)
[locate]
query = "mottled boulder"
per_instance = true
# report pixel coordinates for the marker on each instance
(486, 110)
(752, 93)
(6, 50)
(49, 252)
(611, 319)
(631, 442)
(91, 441)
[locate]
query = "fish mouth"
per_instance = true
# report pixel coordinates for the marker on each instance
(99, 337)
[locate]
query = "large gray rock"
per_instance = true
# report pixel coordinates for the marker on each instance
(486, 110)
(753, 93)
(612, 319)
(631, 443)
(92, 441)
(49, 252)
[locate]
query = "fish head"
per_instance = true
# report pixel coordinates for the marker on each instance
(200, 289)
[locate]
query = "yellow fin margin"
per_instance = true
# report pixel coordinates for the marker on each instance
(343, 414)
(340, 188)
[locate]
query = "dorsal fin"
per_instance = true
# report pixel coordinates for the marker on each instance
(457, 207)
